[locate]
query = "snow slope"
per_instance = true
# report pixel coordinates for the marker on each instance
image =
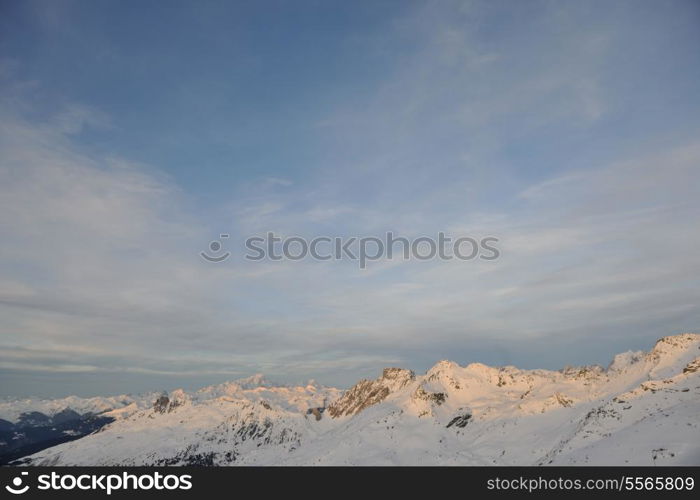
(643, 409)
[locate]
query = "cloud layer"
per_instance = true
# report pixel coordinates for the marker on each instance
(476, 125)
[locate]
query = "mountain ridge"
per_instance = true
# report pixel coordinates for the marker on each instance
(452, 414)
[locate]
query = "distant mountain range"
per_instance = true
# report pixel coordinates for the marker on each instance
(643, 409)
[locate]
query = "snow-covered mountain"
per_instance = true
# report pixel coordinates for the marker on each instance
(643, 409)
(11, 409)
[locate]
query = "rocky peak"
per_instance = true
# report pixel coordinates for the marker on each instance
(161, 404)
(397, 377)
(586, 372)
(370, 392)
(673, 344)
(444, 365)
(166, 403)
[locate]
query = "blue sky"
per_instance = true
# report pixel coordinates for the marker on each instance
(134, 133)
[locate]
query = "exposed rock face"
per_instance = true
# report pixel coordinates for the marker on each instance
(563, 400)
(461, 420)
(668, 347)
(400, 376)
(434, 397)
(370, 392)
(693, 366)
(316, 412)
(586, 373)
(166, 404)
(161, 404)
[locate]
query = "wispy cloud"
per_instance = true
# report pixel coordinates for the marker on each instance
(476, 120)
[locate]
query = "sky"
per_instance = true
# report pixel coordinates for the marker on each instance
(134, 133)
